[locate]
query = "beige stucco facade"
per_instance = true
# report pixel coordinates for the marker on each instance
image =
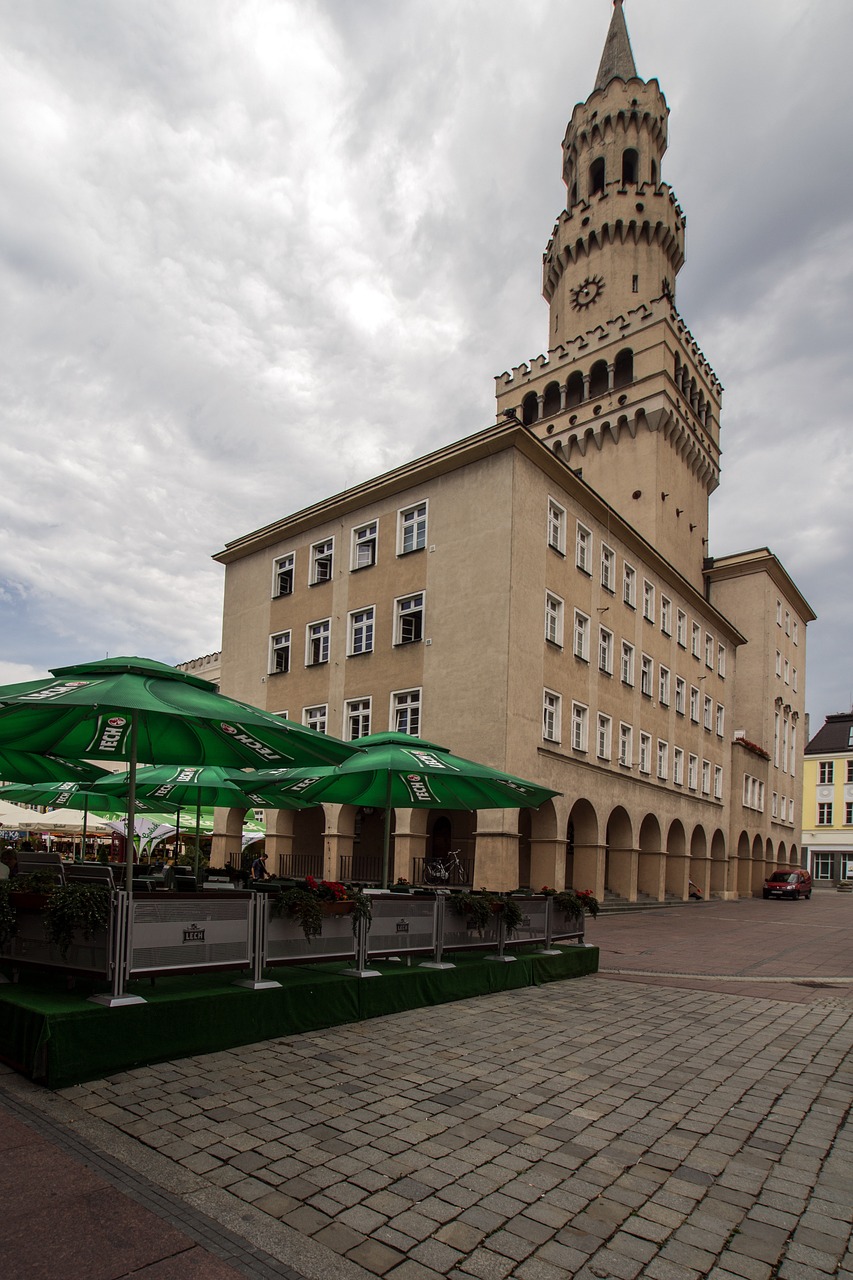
(540, 596)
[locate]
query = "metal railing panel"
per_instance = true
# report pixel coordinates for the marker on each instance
(189, 932)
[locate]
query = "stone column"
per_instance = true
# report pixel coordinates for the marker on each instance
(408, 842)
(589, 869)
(651, 873)
(496, 850)
(227, 843)
(547, 863)
(279, 841)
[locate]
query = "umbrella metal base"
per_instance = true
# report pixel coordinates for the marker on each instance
(116, 1002)
(501, 959)
(360, 973)
(549, 951)
(436, 964)
(265, 984)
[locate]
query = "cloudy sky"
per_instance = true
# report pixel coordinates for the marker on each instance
(253, 251)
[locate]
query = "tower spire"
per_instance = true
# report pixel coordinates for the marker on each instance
(617, 61)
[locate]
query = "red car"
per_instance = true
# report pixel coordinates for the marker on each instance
(788, 884)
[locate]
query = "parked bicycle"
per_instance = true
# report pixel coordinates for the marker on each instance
(446, 870)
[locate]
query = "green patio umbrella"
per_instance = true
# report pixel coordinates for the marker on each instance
(70, 795)
(394, 770)
(26, 766)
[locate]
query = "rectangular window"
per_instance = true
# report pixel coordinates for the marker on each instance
(718, 782)
(605, 651)
(663, 760)
(364, 542)
(605, 732)
(721, 661)
(826, 772)
(778, 613)
(694, 704)
(553, 619)
(794, 679)
(681, 628)
(787, 623)
(608, 568)
(583, 549)
(412, 529)
(409, 619)
(692, 772)
(680, 695)
(778, 664)
(774, 805)
(315, 718)
(626, 745)
(361, 631)
(647, 668)
(648, 601)
(666, 616)
(556, 526)
(580, 726)
(322, 555)
(317, 643)
(627, 663)
(796, 633)
(824, 814)
(848, 813)
(663, 686)
(282, 575)
(629, 586)
(709, 713)
(706, 777)
(850, 770)
(696, 640)
(406, 711)
(551, 716)
(356, 719)
(279, 653)
(787, 671)
(721, 720)
(581, 636)
(678, 766)
(709, 651)
(644, 763)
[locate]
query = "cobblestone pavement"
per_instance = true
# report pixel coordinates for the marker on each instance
(591, 1128)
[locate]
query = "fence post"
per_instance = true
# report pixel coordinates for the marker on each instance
(258, 907)
(548, 949)
(119, 949)
(438, 937)
(361, 970)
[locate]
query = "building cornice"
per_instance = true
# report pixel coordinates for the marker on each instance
(742, 564)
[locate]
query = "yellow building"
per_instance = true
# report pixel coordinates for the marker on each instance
(540, 596)
(828, 800)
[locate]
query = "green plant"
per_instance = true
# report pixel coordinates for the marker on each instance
(482, 907)
(511, 914)
(34, 882)
(7, 913)
(75, 907)
(574, 902)
(301, 905)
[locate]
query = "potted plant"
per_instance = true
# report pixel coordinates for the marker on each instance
(33, 889)
(7, 913)
(574, 902)
(482, 907)
(73, 908)
(309, 901)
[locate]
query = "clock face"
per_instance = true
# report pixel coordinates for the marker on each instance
(588, 292)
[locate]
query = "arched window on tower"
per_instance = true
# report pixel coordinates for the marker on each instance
(623, 368)
(574, 196)
(574, 389)
(551, 403)
(598, 379)
(596, 176)
(529, 408)
(630, 167)
(654, 173)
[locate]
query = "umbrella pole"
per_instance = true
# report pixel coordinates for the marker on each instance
(197, 835)
(386, 842)
(85, 821)
(177, 833)
(131, 808)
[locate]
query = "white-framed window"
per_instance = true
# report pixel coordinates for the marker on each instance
(581, 635)
(608, 568)
(663, 686)
(681, 628)
(553, 619)
(709, 713)
(364, 544)
(786, 729)
(279, 653)
(783, 808)
(361, 625)
(626, 745)
(826, 773)
(648, 601)
(583, 548)
(849, 771)
(848, 813)
(795, 635)
(322, 561)
(629, 585)
(791, 809)
(794, 679)
(409, 619)
(721, 661)
(604, 737)
(709, 651)
(318, 636)
(778, 613)
(356, 719)
(406, 711)
(647, 669)
(627, 665)
(793, 748)
(694, 704)
(316, 717)
(412, 528)
(774, 805)
(776, 738)
(605, 651)
(644, 760)
(680, 695)
(663, 760)
(678, 766)
(556, 526)
(787, 623)
(718, 782)
(283, 568)
(753, 793)
(824, 813)
(666, 615)
(580, 727)
(692, 772)
(721, 720)
(706, 777)
(786, 671)
(696, 640)
(778, 664)
(552, 714)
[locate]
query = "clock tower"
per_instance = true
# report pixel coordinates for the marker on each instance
(624, 395)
